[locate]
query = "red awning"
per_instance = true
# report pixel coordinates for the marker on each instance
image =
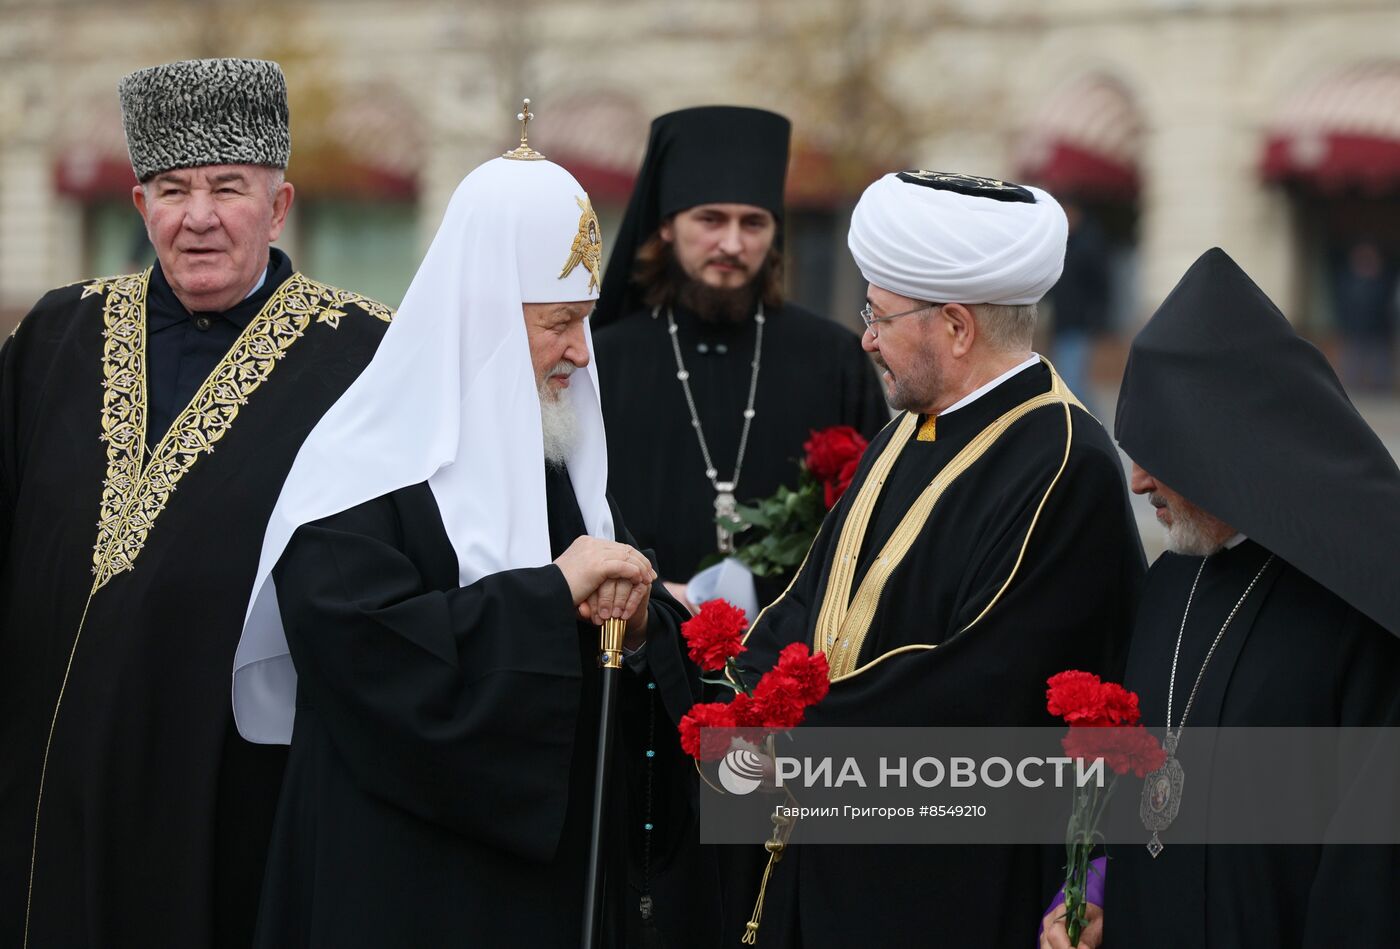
(91, 176)
(366, 147)
(823, 179)
(816, 180)
(605, 185)
(1339, 134)
(599, 136)
(1085, 142)
(92, 163)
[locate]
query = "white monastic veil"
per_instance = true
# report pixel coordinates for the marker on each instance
(449, 398)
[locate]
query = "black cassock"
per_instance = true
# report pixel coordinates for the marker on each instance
(1068, 606)
(812, 374)
(442, 761)
(1296, 654)
(126, 557)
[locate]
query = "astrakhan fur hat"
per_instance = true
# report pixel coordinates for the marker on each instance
(206, 112)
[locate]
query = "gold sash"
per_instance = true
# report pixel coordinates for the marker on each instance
(843, 622)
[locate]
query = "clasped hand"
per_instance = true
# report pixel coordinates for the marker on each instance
(1055, 936)
(606, 580)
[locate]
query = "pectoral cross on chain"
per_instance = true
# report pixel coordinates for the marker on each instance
(724, 513)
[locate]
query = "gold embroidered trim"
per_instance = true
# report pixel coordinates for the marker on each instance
(1069, 433)
(849, 544)
(852, 627)
(132, 495)
(843, 629)
(123, 399)
(843, 562)
(135, 493)
(806, 558)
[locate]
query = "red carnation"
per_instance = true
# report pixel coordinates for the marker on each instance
(1080, 698)
(1123, 749)
(831, 450)
(1120, 707)
(747, 713)
(715, 634)
(1092, 708)
(779, 700)
(833, 489)
(810, 672)
(707, 715)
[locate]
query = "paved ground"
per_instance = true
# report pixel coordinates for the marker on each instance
(1381, 412)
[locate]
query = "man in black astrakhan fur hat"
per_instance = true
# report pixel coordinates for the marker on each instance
(131, 812)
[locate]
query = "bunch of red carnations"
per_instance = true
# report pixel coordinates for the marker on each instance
(1104, 722)
(799, 680)
(777, 530)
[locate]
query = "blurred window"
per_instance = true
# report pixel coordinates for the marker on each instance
(114, 238)
(370, 247)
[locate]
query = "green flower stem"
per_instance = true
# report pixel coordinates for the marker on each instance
(1081, 837)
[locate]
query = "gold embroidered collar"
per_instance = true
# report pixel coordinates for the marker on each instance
(139, 484)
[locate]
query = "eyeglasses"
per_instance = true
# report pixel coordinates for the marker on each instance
(868, 317)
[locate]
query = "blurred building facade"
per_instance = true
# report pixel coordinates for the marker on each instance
(1268, 127)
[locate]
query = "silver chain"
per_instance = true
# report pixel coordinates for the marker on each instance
(1171, 688)
(683, 375)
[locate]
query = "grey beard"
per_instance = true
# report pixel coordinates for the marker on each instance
(560, 427)
(1188, 536)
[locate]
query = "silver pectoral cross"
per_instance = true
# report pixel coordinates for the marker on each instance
(724, 510)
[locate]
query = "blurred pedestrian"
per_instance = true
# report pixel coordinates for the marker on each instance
(1364, 295)
(1079, 301)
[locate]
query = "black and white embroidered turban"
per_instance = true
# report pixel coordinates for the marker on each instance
(950, 238)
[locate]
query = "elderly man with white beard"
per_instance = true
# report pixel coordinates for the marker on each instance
(1275, 605)
(424, 610)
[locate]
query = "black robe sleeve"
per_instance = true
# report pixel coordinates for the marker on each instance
(1353, 894)
(456, 705)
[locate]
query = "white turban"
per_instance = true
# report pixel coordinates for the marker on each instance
(950, 238)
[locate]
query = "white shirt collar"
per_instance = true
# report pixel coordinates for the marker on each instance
(1235, 541)
(972, 397)
(257, 286)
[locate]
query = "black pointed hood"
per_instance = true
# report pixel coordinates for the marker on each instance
(1228, 406)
